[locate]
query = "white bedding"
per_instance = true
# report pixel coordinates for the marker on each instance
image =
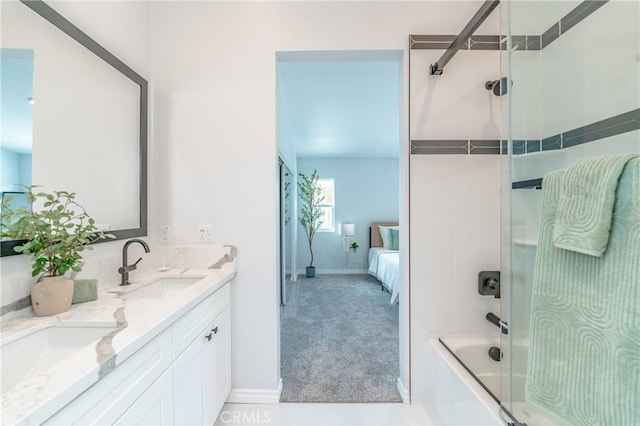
(384, 265)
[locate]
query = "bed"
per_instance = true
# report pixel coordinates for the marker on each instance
(384, 263)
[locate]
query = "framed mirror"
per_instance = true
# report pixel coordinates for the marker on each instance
(74, 118)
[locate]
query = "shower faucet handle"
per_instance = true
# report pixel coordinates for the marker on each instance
(489, 283)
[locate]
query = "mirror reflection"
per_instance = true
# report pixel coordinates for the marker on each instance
(16, 84)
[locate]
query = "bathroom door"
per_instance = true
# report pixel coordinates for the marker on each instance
(286, 180)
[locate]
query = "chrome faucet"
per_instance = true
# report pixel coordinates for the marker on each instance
(125, 269)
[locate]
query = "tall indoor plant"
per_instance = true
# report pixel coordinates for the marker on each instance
(310, 213)
(56, 229)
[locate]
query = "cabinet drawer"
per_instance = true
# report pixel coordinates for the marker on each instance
(191, 325)
(108, 399)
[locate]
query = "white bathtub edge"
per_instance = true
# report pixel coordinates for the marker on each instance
(459, 398)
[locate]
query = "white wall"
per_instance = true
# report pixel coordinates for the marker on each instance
(123, 29)
(215, 113)
(366, 191)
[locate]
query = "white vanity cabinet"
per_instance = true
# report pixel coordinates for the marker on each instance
(182, 376)
(107, 400)
(154, 407)
(217, 390)
(201, 367)
(202, 376)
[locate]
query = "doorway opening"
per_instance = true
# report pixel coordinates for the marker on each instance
(340, 113)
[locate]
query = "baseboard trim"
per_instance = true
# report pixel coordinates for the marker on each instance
(404, 393)
(336, 271)
(255, 396)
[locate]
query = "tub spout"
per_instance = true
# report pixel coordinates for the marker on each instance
(495, 320)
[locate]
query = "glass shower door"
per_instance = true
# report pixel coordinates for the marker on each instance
(575, 83)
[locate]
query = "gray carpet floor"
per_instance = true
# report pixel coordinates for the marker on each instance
(339, 341)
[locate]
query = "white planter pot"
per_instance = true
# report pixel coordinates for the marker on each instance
(51, 295)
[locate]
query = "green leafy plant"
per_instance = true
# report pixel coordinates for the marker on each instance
(354, 246)
(56, 233)
(310, 213)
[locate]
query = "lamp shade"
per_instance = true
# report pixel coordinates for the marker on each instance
(347, 229)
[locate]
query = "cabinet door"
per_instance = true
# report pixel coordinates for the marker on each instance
(111, 397)
(155, 405)
(188, 380)
(216, 367)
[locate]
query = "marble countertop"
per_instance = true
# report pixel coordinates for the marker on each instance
(128, 324)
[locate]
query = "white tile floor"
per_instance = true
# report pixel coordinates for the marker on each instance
(323, 414)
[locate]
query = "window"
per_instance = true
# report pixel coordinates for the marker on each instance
(327, 205)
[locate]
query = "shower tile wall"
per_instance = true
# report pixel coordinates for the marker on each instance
(589, 74)
(454, 105)
(454, 202)
(455, 224)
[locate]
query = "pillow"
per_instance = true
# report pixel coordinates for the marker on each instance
(385, 233)
(395, 242)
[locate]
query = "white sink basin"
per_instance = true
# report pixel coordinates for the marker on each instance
(161, 287)
(36, 352)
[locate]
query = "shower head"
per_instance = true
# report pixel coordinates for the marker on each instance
(499, 87)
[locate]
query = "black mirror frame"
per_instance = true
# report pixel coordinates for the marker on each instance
(60, 22)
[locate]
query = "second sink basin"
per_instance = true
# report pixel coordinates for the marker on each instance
(35, 352)
(161, 287)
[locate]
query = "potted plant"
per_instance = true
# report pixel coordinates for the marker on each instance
(56, 231)
(310, 213)
(354, 246)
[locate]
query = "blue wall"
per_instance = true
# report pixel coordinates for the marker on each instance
(16, 169)
(366, 191)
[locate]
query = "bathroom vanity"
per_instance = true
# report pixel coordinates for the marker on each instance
(155, 352)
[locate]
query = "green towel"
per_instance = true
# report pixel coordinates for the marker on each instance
(586, 202)
(84, 291)
(584, 349)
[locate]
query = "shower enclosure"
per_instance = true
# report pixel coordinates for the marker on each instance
(566, 78)
(534, 87)
(575, 68)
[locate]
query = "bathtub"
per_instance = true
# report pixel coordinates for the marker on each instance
(462, 398)
(474, 354)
